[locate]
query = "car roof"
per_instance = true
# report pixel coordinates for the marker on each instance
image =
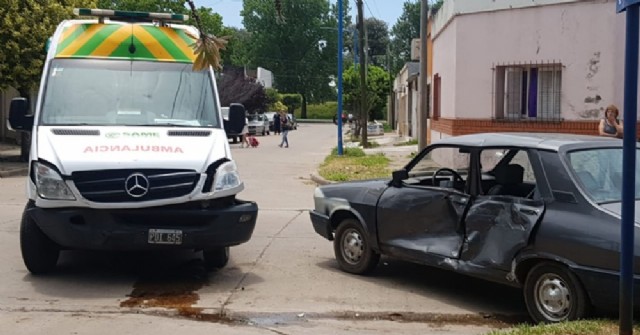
(544, 141)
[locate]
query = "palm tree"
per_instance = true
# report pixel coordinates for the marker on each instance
(207, 48)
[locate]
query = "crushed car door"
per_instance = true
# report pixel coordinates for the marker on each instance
(421, 217)
(497, 227)
(414, 221)
(500, 221)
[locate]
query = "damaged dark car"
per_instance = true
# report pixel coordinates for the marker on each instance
(540, 212)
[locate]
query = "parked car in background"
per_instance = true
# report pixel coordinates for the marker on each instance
(258, 124)
(293, 121)
(375, 128)
(540, 212)
(269, 116)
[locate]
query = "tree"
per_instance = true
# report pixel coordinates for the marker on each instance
(377, 40)
(26, 27)
(377, 91)
(292, 101)
(238, 51)
(235, 87)
(297, 50)
(435, 7)
(406, 29)
(173, 6)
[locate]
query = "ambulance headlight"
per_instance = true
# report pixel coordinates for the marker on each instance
(226, 177)
(49, 183)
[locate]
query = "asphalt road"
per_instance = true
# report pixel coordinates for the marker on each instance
(284, 281)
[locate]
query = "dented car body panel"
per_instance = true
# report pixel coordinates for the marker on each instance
(492, 226)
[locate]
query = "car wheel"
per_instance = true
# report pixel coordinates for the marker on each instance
(39, 253)
(352, 249)
(263, 132)
(552, 293)
(216, 258)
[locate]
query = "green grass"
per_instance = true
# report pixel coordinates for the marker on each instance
(585, 327)
(354, 164)
(387, 127)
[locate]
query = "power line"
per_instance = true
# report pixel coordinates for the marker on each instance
(369, 9)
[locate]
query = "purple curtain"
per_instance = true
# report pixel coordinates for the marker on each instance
(533, 93)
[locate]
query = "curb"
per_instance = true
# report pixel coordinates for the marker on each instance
(14, 172)
(319, 180)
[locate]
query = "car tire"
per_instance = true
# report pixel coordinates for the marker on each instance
(552, 294)
(216, 258)
(263, 132)
(39, 253)
(352, 248)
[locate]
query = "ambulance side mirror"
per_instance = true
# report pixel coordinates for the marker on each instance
(18, 115)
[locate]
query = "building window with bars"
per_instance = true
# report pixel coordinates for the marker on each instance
(528, 92)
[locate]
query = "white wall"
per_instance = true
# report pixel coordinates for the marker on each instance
(451, 8)
(265, 77)
(445, 65)
(415, 101)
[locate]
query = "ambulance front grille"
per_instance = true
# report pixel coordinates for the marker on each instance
(129, 185)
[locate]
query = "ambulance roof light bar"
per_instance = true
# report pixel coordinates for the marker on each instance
(130, 16)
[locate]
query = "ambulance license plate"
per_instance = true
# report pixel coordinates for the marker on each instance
(165, 236)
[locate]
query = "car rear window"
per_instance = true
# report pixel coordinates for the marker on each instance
(599, 173)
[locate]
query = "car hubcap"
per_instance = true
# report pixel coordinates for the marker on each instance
(553, 297)
(352, 246)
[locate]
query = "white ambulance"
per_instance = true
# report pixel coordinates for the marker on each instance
(128, 146)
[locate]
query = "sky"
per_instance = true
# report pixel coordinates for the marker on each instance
(385, 10)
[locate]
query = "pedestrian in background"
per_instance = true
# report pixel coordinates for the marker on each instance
(286, 126)
(276, 123)
(245, 134)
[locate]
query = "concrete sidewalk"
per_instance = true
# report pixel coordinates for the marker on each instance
(10, 164)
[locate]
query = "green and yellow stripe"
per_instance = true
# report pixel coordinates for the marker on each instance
(96, 40)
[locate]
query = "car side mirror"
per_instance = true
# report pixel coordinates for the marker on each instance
(398, 176)
(237, 116)
(18, 117)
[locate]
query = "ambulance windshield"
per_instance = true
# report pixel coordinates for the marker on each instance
(128, 93)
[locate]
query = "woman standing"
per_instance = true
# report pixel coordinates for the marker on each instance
(609, 125)
(286, 126)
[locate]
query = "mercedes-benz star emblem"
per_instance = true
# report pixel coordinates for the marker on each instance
(136, 185)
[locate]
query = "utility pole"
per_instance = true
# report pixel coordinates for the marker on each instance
(364, 118)
(390, 104)
(424, 78)
(339, 111)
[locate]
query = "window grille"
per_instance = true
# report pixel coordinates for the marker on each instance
(527, 92)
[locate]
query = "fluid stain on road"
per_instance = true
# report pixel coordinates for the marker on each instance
(172, 288)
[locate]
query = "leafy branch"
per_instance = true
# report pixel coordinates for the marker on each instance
(207, 47)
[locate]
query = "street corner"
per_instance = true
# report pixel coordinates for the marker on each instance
(319, 180)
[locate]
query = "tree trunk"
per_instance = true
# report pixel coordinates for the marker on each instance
(303, 109)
